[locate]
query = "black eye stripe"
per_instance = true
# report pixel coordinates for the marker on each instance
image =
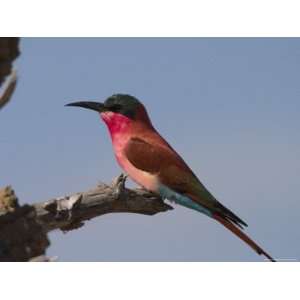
(115, 107)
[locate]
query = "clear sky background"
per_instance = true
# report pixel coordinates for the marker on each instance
(230, 107)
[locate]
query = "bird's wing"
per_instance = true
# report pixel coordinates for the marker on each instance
(173, 172)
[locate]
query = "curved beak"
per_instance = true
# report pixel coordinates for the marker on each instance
(99, 107)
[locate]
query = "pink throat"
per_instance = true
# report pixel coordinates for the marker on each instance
(117, 124)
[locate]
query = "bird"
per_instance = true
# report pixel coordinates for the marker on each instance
(151, 162)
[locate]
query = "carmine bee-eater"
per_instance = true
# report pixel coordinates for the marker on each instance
(152, 163)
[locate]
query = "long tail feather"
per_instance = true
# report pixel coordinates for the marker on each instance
(234, 229)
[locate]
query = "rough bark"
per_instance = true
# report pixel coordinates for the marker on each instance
(23, 234)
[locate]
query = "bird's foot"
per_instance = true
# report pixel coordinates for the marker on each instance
(118, 185)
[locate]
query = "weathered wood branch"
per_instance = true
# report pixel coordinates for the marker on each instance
(8, 90)
(70, 212)
(23, 230)
(9, 51)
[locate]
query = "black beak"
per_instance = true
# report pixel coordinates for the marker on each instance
(99, 107)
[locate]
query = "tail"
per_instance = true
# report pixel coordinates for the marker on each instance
(238, 232)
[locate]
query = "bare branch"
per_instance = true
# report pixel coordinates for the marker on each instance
(9, 51)
(9, 89)
(70, 212)
(23, 234)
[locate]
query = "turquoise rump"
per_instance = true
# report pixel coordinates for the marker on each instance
(167, 193)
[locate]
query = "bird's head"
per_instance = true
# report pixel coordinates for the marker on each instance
(117, 110)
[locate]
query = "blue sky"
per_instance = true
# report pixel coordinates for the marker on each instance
(230, 107)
